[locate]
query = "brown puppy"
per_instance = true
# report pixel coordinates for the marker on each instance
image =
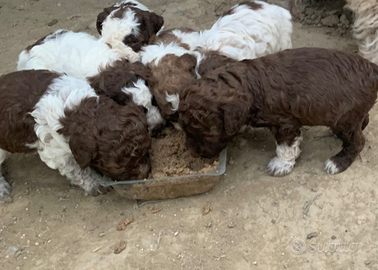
(283, 91)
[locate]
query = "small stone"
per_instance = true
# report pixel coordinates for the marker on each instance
(207, 209)
(330, 21)
(120, 247)
(254, 263)
(180, 12)
(333, 12)
(273, 221)
(231, 225)
(209, 225)
(242, 143)
(312, 235)
(309, 11)
(101, 234)
(231, 161)
(12, 250)
(333, 237)
(124, 223)
(317, 20)
(344, 20)
(53, 22)
(359, 222)
(176, 233)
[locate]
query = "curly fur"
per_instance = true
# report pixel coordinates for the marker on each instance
(124, 82)
(72, 128)
(248, 30)
(174, 60)
(128, 23)
(283, 91)
(365, 27)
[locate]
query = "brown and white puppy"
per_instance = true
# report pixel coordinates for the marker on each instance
(72, 128)
(169, 54)
(283, 91)
(123, 82)
(128, 22)
(248, 30)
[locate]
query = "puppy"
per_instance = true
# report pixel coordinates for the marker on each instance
(283, 92)
(124, 82)
(72, 128)
(128, 23)
(79, 55)
(246, 31)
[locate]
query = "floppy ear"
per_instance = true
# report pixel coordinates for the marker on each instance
(236, 113)
(83, 147)
(101, 18)
(188, 62)
(153, 23)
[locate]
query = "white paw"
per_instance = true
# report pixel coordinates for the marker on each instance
(278, 167)
(96, 186)
(331, 167)
(177, 126)
(5, 188)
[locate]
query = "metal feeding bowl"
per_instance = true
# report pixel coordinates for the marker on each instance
(171, 187)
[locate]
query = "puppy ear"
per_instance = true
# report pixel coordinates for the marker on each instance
(141, 70)
(236, 113)
(101, 18)
(187, 62)
(83, 147)
(153, 23)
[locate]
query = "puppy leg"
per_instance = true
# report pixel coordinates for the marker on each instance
(353, 143)
(87, 178)
(288, 150)
(5, 188)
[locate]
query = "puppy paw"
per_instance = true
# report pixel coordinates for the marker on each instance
(331, 167)
(99, 190)
(5, 188)
(278, 167)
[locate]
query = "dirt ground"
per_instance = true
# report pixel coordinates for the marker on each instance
(47, 224)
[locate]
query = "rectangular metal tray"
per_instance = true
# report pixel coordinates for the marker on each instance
(171, 187)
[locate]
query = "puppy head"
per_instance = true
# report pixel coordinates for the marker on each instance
(212, 60)
(149, 24)
(111, 138)
(128, 24)
(121, 74)
(106, 12)
(211, 113)
(166, 89)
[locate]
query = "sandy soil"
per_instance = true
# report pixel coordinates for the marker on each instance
(49, 225)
